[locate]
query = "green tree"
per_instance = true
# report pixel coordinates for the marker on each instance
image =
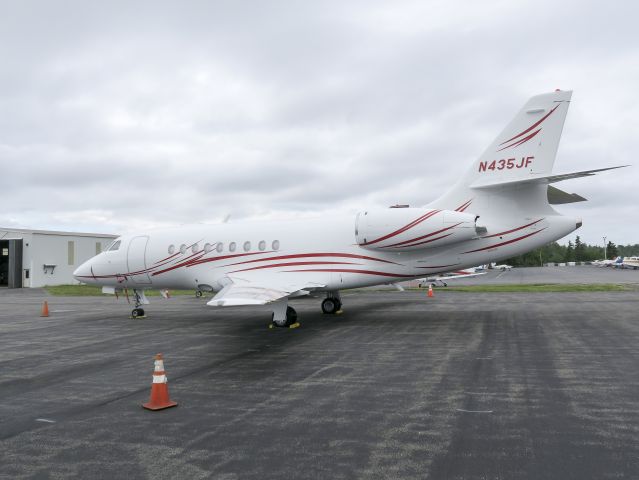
(580, 250)
(611, 250)
(569, 256)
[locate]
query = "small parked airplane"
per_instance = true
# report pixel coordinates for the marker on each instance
(499, 208)
(503, 267)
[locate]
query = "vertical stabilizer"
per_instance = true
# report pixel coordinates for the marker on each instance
(525, 149)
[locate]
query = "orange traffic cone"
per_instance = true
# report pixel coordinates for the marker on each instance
(45, 309)
(430, 290)
(159, 388)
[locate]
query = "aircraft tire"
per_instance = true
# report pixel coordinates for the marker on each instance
(291, 318)
(330, 306)
(137, 312)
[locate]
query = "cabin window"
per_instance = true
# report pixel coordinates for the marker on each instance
(247, 246)
(232, 246)
(276, 245)
(182, 249)
(220, 247)
(262, 245)
(195, 248)
(208, 247)
(171, 249)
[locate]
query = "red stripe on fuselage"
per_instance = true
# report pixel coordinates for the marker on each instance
(506, 243)
(513, 230)
(321, 254)
(348, 270)
(293, 264)
(464, 206)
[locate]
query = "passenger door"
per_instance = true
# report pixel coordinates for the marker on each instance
(136, 260)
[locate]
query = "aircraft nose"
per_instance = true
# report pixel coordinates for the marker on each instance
(83, 272)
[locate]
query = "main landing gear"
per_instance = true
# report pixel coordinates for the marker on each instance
(140, 299)
(283, 315)
(332, 304)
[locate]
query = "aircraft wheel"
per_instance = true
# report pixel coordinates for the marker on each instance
(291, 319)
(137, 312)
(198, 293)
(330, 305)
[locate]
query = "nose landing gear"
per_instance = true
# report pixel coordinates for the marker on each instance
(140, 299)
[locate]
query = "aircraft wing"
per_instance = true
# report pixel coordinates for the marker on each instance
(243, 291)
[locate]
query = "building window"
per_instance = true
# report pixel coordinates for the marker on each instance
(171, 249)
(5, 252)
(208, 247)
(247, 246)
(232, 246)
(71, 252)
(98, 248)
(262, 245)
(220, 247)
(276, 245)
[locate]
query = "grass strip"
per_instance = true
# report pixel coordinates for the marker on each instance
(93, 291)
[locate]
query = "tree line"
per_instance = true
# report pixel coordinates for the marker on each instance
(576, 251)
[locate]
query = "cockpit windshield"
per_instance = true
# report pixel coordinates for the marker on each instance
(114, 246)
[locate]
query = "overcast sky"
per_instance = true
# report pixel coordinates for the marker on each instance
(118, 116)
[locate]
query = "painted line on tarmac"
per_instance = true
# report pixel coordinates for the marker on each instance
(474, 411)
(45, 420)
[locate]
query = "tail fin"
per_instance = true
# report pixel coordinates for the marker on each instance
(525, 149)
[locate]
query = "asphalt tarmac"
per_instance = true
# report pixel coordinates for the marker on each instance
(459, 386)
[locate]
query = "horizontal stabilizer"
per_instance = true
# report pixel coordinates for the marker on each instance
(559, 197)
(542, 178)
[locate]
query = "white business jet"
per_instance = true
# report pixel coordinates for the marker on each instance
(499, 208)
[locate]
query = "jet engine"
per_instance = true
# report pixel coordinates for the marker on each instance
(408, 229)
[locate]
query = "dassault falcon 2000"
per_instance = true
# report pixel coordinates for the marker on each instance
(499, 208)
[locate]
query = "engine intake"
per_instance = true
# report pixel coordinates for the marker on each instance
(408, 229)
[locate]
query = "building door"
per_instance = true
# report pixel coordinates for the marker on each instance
(136, 260)
(14, 277)
(4, 263)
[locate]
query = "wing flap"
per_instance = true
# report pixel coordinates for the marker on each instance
(248, 292)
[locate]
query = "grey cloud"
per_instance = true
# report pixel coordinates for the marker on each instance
(163, 113)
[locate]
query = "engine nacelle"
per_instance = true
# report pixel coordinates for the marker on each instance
(408, 229)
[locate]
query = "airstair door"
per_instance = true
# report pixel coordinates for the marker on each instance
(136, 260)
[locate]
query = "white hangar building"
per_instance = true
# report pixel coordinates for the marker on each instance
(35, 258)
